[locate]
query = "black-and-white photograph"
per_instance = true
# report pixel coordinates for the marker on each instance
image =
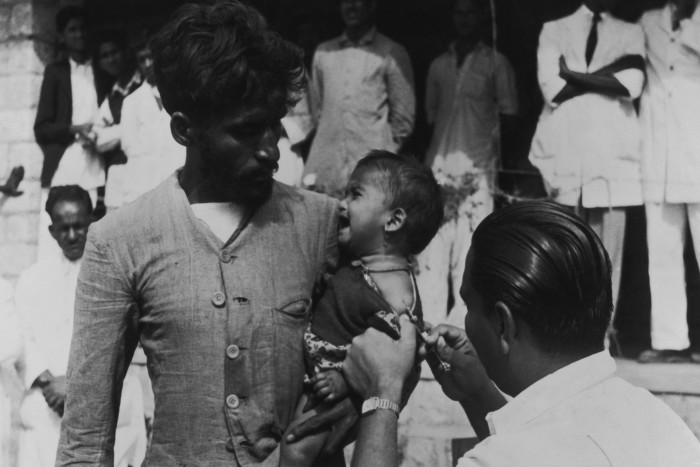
(368, 233)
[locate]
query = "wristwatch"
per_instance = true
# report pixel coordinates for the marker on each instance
(373, 404)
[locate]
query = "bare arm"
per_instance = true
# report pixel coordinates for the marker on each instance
(377, 366)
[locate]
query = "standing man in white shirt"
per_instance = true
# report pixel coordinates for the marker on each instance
(537, 283)
(362, 98)
(152, 154)
(45, 296)
(591, 68)
(670, 118)
(470, 88)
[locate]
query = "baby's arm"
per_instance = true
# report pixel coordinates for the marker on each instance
(329, 386)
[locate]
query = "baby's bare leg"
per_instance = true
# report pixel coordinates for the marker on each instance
(305, 451)
(329, 386)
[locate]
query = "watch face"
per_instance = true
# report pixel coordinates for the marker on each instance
(369, 405)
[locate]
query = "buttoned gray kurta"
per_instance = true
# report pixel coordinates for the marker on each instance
(221, 325)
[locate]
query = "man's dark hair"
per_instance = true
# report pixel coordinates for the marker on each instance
(411, 186)
(66, 14)
(71, 193)
(220, 55)
(141, 40)
(550, 269)
(108, 36)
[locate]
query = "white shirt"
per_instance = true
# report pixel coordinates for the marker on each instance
(152, 153)
(670, 108)
(45, 299)
(10, 336)
(464, 104)
(45, 296)
(588, 148)
(221, 218)
(80, 165)
(362, 98)
(583, 415)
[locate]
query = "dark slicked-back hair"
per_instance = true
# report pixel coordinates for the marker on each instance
(216, 56)
(411, 186)
(71, 193)
(66, 14)
(550, 269)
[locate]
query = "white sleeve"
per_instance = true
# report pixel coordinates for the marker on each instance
(548, 53)
(632, 78)
(506, 89)
(108, 134)
(10, 329)
(690, 31)
(35, 362)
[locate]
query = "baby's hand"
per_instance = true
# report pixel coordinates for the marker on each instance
(329, 386)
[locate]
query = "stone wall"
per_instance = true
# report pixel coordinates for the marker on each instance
(27, 44)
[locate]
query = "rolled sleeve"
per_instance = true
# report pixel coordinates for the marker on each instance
(548, 54)
(104, 339)
(402, 99)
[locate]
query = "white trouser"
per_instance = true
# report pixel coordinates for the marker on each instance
(609, 225)
(666, 225)
(41, 426)
(440, 266)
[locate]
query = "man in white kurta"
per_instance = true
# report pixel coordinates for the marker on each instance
(469, 87)
(152, 153)
(587, 140)
(670, 115)
(362, 98)
(44, 297)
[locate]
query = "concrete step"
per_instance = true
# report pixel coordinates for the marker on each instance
(677, 384)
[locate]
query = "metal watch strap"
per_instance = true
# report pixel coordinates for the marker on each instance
(373, 404)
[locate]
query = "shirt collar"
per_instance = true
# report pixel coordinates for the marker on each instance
(451, 49)
(550, 391)
(75, 65)
(133, 83)
(367, 39)
(585, 12)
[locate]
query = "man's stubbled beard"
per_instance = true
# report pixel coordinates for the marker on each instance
(250, 188)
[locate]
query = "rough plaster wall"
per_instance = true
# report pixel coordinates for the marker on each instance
(27, 43)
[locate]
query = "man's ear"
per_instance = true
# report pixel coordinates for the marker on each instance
(396, 221)
(52, 231)
(507, 327)
(181, 128)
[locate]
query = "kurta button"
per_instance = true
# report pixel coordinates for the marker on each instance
(232, 401)
(232, 351)
(218, 299)
(229, 445)
(225, 256)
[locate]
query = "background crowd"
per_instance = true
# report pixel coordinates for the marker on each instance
(618, 129)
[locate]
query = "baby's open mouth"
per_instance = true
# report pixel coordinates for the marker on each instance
(343, 222)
